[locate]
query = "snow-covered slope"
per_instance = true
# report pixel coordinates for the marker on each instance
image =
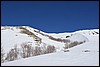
(12, 35)
(75, 57)
(78, 37)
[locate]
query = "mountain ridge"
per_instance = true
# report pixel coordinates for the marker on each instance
(17, 35)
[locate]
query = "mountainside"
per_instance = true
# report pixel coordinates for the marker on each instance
(76, 42)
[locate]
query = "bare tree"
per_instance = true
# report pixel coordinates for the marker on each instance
(26, 50)
(37, 51)
(12, 54)
(2, 55)
(44, 49)
(50, 49)
(72, 44)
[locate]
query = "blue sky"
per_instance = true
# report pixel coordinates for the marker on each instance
(51, 16)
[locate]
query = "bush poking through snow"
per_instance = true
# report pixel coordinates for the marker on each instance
(72, 44)
(66, 50)
(26, 31)
(86, 51)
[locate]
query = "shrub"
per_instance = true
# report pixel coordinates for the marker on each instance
(2, 55)
(37, 51)
(50, 49)
(44, 49)
(66, 50)
(72, 44)
(65, 40)
(12, 55)
(86, 50)
(31, 34)
(26, 50)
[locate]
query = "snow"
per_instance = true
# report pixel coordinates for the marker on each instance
(58, 45)
(78, 37)
(75, 57)
(60, 35)
(9, 39)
